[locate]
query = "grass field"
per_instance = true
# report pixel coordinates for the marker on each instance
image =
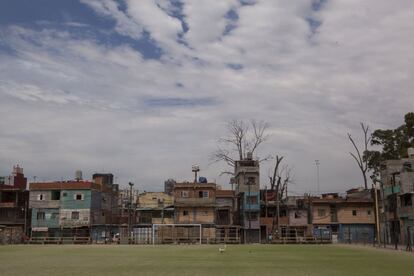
(202, 260)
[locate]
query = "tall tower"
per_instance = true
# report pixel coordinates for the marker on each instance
(247, 180)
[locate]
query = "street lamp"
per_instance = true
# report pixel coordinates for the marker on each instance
(130, 212)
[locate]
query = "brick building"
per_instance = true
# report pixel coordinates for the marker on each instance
(14, 211)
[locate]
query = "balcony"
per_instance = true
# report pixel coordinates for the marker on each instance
(188, 201)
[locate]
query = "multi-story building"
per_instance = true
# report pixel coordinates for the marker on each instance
(64, 208)
(194, 203)
(247, 180)
(110, 194)
(155, 208)
(397, 197)
(293, 220)
(14, 211)
(226, 217)
(348, 219)
(73, 208)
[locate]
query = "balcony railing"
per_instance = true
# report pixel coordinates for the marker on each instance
(74, 223)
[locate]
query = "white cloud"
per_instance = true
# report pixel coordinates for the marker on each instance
(85, 105)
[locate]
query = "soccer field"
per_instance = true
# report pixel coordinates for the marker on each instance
(171, 260)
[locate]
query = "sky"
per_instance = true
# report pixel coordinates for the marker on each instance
(144, 89)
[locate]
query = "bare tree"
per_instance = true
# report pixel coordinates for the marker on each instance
(241, 139)
(279, 181)
(360, 155)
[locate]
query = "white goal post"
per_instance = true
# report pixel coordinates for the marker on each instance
(177, 233)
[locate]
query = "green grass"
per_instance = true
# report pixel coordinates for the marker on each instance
(202, 260)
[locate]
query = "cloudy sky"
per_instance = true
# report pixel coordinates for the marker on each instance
(143, 89)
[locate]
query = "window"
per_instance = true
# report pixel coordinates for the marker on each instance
(203, 194)
(252, 216)
(184, 193)
(368, 212)
(40, 215)
(55, 195)
(297, 214)
(78, 196)
(41, 197)
(185, 213)
(354, 213)
(251, 181)
(65, 194)
(252, 200)
(75, 215)
(321, 212)
(54, 216)
(406, 200)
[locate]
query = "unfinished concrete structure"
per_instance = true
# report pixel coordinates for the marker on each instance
(152, 208)
(14, 211)
(226, 216)
(293, 223)
(397, 197)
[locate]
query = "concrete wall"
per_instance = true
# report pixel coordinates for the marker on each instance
(364, 215)
(155, 200)
(204, 215)
(316, 218)
(298, 217)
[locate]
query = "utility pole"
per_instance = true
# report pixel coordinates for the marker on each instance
(130, 213)
(377, 222)
(317, 163)
(395, 234)
(384, 217)
(249, 201)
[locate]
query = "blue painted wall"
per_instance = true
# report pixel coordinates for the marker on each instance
(253, 207)
(68, 201)
(49, 221)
